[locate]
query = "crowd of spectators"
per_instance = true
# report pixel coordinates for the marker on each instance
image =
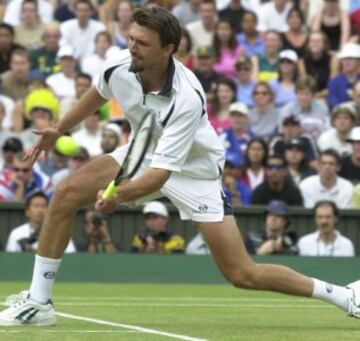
(282, 80)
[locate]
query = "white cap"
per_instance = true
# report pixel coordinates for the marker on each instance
(288, 54)
(114, 128)
(239, 108)
(349, 50)
(156, 207)
(354, 135)
(65, 51)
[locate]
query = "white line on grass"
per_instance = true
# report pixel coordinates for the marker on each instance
(129, 326)
(4, 331)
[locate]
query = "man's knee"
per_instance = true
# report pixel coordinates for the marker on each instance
(68, 192)
(245, 279)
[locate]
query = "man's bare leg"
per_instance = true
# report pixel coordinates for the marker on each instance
(230, 255)
(74, 192)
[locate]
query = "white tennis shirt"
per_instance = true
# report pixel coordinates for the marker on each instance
(184, 141)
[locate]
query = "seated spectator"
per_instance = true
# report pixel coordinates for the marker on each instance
(218, 107)
(236, 138)
(291, 128)
(4, 133)
(318, 62)
(73, 163)
(284, 86)
(63, 82)
(120, 28)
(15, 82)
(276, 239)
(89, 136)
(340, 86)
(233, 13)
(7, 46)
(298, 166)
(326, 241)
(9, 105)
(187, 11)
(98, 237)
(272, 16)
(237, 192)
(343, 118)
(312, 113)
(80, 32)
(355, 104)
(155, 237)
(13, 11)
(350, 165)
(204, 70)
(202, 30)
(29, 33)
(334, 22)
(266, 64)
(110, 138)
(197, 246)
(327, 185)
(10, 147)
(244, 83)
(184, 52)
(93, 63)
(250, 40)
(227, 50)
(295, 37)
(41, 108)
(83, 83)
(254, 169)
(24, 238)
(43, 59)
(277, 185)
(65, 11)
(263, 116)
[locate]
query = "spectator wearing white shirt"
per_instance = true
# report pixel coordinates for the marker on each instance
(93, 64)
(197, 246)
(273, 15)
(13, 11)
(24, 238)
(343, 118)
(327, 185)
(326, 241)
(63, 82)
(89, 136)
(80, 33)
(202, 31)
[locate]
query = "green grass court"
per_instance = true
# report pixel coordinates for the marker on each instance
(187, 312)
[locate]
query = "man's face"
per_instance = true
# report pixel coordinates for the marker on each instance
(22, 169)
(41, 118)
(207, 13)
(29, 13)
(109, 141)
(6, 39)
(244, 72)
(272, 42)
(343, 122)
(294, 155)
(51, 39)
(328, 167)
(67, 64)
(325, 219)
(291, 130)
(239, 122)
(145, 48)
(81, 86)
(248, 23)
(102, 44)
(83, 12)
(350, 64)
(155, 222)
(276, 170)
(37, 209)
(275, 225)
(204, 64)
(305, 98)
(20, 66)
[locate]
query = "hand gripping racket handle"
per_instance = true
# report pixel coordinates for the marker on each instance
(110, 190)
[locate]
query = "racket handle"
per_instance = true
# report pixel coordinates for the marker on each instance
(110, 190)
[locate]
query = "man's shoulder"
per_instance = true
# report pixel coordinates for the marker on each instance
(121, 61)
(68, 24)
(307, 238)
(19, 231)
(310, 181)
(344, 184)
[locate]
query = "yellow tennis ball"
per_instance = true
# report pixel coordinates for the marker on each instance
(67, 145)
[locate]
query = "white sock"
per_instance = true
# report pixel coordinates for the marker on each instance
(43, 279)
(331, 293)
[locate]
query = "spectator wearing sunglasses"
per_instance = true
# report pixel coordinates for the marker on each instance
(277, 186)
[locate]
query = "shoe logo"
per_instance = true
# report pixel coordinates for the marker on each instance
(50, 274)
(26, 315)
(329, 288)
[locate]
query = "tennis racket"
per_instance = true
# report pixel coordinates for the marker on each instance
(135, 154)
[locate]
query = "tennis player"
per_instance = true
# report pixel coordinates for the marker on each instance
(184, 164)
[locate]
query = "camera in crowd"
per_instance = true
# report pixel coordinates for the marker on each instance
(26, 243)
(97, 220)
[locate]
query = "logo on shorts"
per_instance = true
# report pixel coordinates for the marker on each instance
(203, 208)
(329, 288)
(50, 274)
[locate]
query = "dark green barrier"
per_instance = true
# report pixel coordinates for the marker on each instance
(125, 268)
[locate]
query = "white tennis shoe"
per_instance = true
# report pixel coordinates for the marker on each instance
(22, 310)
(354, 300)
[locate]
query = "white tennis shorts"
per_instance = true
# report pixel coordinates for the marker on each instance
(197, 200)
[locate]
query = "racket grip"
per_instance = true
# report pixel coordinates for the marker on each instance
(110, 190)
